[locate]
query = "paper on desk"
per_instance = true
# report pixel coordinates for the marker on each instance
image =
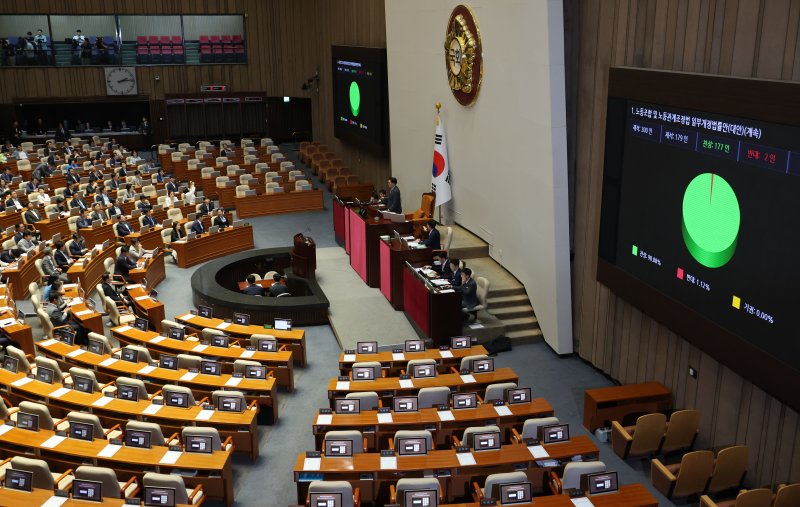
(109, 451)
(204, 415)
(247, 353)
(475, 325)
(581, 502)
(189, 375)
(467, 379)
(47, 343)
(109, 361)
(5, 429)
(139, 298)
(406, 383)
(55, 501)
(76, 353)
(83, 312)
(21, 382)
(445, 415)
(53, 441)
(123, 329)
(102, 401)
(170, 457)
(188, 316)
(324, 419)
(537, 451)
(342, 386)
(388, 463)
(58, 393)
(502, 410)
(384, 418)
(157, 339)
(134, 286)
(447, 291)
(408, 238)
(349, 358)
(146, 369)
(312, 464)
(152, 409)
(223, 325)
(445, 353)
(75, 301)
(398, 356)
(465, 458)
(7, 322)
(199, 348)
(233, 381)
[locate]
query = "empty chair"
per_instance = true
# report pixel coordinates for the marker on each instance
(787, 495)
(682, 430)
(181, 390)
(429, 397)
(183, 495)
(212, 433)
(261, 167)
(208, 333)
(156, 435)
(497, 392)
(730, 465)
(175, 214)
(240, 365)
(215, 395)
(42, 477)
(420, 362)
(106, 348)
(222, 181)
(189, 361)
(241, 189)
(496, 480)
(367, 400)
(82, 373)
(46, 362)
(144, 354)
(761, 497)
(400, 434)
(166, 324)
(336, 489)
(359, 443)
(134, 383)
(466, 362)
(23, 365)
(467, 436)
(45, 419)
(232, 169)
(689, 477)
(571, 478)
(530, 428)
(642, 439)
(375, 365)
(397, 493)
(99, 431)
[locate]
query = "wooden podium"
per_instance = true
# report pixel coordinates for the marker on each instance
(304, 256)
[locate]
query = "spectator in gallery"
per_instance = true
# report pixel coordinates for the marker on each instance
(123, 125)
(86, 52)
(110, 126)
(78, 39)
(62, 134)
(40, 129)
(144, 127)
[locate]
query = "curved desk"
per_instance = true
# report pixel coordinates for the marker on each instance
(284, 202)
(41, 496)
(396, 362)
(211, 246)
(154, 271)
(88, 270)
(629, 495)
(145, 306)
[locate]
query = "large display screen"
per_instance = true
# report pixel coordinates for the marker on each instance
(704, 208)
(360, 97)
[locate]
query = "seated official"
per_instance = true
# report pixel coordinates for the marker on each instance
(171, 186)
(115, 183)
(109, 290)
(61, 315)
(72, 177)
(197, 226)
(33, 185)
(221, 220)
(253, 289)
(455, 272)
(115, 210)
(9, 256)
(7, 175)
(78, 202)
(277, 288)
(78, 245)
(90, 190)
(441, 265)
(61, 256)
(160, 176)
(84, 222)
(123, 227)
(124, 264)
(177, 232)
(469, 292)
(144, 204)
(49, 266)
(126, 193)
(102, 197)
(433, 240)
(98, 213)
(136, 250)
(95, 175)
(53, 284)
(189, 194)
(27, 243)
(44, 198)
(149, 220)
(13, 202)
(32, 215)
(207, 207)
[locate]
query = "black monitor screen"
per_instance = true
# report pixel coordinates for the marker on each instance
(210, 368)
(267, 345)
(10, 364)
(325, 500)
(338, 448)
(96, 346)
(129, 354)
(348, 406)
(518, 395)
(198, 443)
(229, 404)
(158, 496)
(363, 373)
(423, 370)
(605, 482)
(422, 498)
(87, 490)
(28, 421)
(412, 446)
(242, 319)
(65, 336)
(414, 345)
(21, 480)
(464, 400)
(516, 492)
(173, 399)
(140, 324)
(484, 365)
(460, 342)
(126, 392)
(83, 384)
(168, 362)
(205, 311)
(256, 372)
(177, 333)
(367, 347)
(44, 374)
(138, 438)
(486, 441)
(405, 403)
(81, 431)
(220, 340)
(554, 433)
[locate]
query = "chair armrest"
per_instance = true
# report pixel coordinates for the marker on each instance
(662, 478)
(620, 440)
(198, 490)
(229, 441)
(515, 436)
(357, 497)
(364, 443)
(706, 501)
(203, 400)
(132, 480)
(62, 477)
(456, 441)
(157, 393)
(453, 370)
(282, 348)
(172, 437)
(58, 423)
(477, 494)
(392, 494)
(109, 384)
(253, 405)
(391, 442)
(555, 484)
(109, 430)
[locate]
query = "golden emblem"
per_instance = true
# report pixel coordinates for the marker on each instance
(463, 55)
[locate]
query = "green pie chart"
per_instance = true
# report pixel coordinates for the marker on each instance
(711, 220)
(355, 98)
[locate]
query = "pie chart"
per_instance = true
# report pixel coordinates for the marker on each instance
(711, 220)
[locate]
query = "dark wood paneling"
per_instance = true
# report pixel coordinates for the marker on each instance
(753, 38)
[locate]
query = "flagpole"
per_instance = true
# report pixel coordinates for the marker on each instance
(438, 107)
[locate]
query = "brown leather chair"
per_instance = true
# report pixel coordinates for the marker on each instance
(730, 466)
(641, 440)
(787, 495)
(761, 497)
(682, 430)
(425, 211)
(689, 477)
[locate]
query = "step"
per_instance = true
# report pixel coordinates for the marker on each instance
(469, 252)
(505, 301)
(512, 312)
(510, 291)
(520, 323)
(525, 336)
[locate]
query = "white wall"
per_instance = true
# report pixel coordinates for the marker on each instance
(90, 26)
(195, 26)
(507, 152)
(12, 25)
(133, 26)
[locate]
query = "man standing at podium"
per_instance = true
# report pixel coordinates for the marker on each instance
(393, 197)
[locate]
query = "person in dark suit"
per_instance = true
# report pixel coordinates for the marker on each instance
(62, 258)
(124, 265)
(102, 197)
(252, 288)
(7, 175)
(393, 197)
(144, 204)
(33, 185)
(207, 207)
(78, 245)
(115, 182)
(72, 177)
(455, 272)
(177, 232)
(197, 226)
(78, 202)
(277, 288)
(13, 202)
(160, 176)
(84, 222)
(62, 134)
(32, 215)
(469, 292)
(95, 175)
(221, 220)
(110, 291)
(60, 315)
(171, 185)
(149, 220)
(433, 240)
(98, 213)
(123, 227)
(115, 210)
(9, 256)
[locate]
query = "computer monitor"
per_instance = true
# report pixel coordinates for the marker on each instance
(414, 345)
(515, 492)
(81, 431)
(423, 370)
(220, 340)
(486, 441)
(44, 374)
(27, 421)
(325, 500)
(126, 392)
(198, 443)
(177, 333)
(96, 346)
(367, 347)
(338, 448)
(65, 336)
(10, 364)
(554, 433)
(138, 438)
(87, 490)
(175, 399)
(421, 498)
(347, 406)
(168, 362)
(129, 354)
(412, 446)
(599, 483)
(159, 496)
(154, 293)
(140, 324)
(283, 324)
(363, 373)
(204, 311)
(242, 319)
(464, 400)
(255, 371)
(267, 345)
(21, 480)
(229, 404)
(405, 404)
(460, 342)
(516, 395)
(82, 384)
(484, 365)
(210, 368)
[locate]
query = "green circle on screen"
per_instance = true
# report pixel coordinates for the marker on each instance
(355, 98)
(711, 220)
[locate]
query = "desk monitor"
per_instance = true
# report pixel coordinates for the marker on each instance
(198, 443)
(210, 368)
(191, 217)
(464, 400)
(423, 370)
(204, 311)
(175, 399)
(367, 347)
(405, 404)
(515, 492)
(220, 340)
(229, 404)
(177, 333)
(283, 324)
(363, 373)
(44, 374)
(267, 345)
(52, 217)
(460, 342)
(140, 324)
(412, 446)
(395, 234)
(421, 498)
(516, 395)
(242, 319)
(255, 371)
(130, 355)
(10, 364)
(65, 336)
(138, 438)
(325, 500)
(554, 433)
(168, 362)
(96, 224)
(154, 293)
(21, 480)
(213, 229)
(83, 384)
(96, 346)
(599, 483)
(87, 490)
(27, 421)
(347, 405)
(158, 496)
(484, 365)
(126, 392)
(414, 345)
(21, 316)
(486, 441)
(81, 431)
(338, 448)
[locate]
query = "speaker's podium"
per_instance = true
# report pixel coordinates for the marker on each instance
(304, 256)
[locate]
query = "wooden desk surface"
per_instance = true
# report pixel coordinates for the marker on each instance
(87, 270)
(451, 380)
(21, 275)
(388, 357)
(628, 391)
(629, 495)
(284, 202)
(145, 305)
(154, 272)
(40, 496)
(211, 246)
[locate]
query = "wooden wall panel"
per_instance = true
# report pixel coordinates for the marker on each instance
(753, 38)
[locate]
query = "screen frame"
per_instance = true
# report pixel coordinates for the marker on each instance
(147, 434)
(588, 478)
(205, 438)
(349, 443)
(543, 433)
(401, 452)
(97, 484)
(27, 473)
(501, 487)
(498, 435)
(239, 401)
(337, 497)
(147, 489)
(356, 404)
(409, 492)
(473, 396)
(90, 390)
(397, 399)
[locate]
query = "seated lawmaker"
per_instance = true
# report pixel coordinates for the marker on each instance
(110, 291)
(78, 245)
(60, 315)
(277, 288)
(253, 288)
(433, 240)
(455, 272)
(84, 222)
(62, 257)
(197, 226)
(32, 215)
(49, 266)
(177, 232)
(123, 227)
(221, 220)
(10, 256)
(102, 197)
(124, 264)
(469, 292)
(27, 243)
(149, 219)
(136, 250)
(98, 213)
(13, 201)
(144, 203)
(207, 207)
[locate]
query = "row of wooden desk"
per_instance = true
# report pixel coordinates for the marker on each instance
(271, 204)
(213, 245)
